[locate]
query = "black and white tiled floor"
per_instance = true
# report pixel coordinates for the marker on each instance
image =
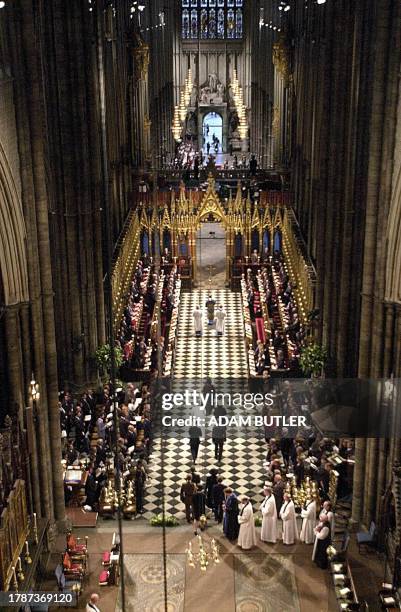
(224, 359)
(219, 357)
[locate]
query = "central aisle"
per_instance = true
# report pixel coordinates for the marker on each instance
(224, 359)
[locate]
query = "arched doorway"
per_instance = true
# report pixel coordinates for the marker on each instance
(212, 132)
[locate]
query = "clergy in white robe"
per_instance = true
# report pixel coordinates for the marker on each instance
(308, 514)
(220, 320)
(198, 324)
(288, 516)
(269, 517)
(327, 509)
(247, 531)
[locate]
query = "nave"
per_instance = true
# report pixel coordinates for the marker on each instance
(223, 359)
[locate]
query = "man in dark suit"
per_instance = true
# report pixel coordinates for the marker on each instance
(219, 437)
(195, 434)
(218, 499)
(186, 494)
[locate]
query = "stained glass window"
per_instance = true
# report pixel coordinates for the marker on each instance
(194, 23)
(185, 23)
(210, 19)
(238, 24)
(220, 24)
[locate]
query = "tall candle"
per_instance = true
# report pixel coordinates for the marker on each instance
(35, 525)
(19, 564)
(26, 547)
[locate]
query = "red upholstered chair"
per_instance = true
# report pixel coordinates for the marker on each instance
(71, 568)
(104, 577)
(106, 558)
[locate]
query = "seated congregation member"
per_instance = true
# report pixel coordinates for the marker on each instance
(247, 532)
(322, 541)
(230, 521)
(198, 506)
(308, 514)
(288, 516)
(269, 517)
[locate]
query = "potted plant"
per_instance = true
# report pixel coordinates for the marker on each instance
(313, 360)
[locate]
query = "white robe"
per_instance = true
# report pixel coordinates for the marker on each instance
(307, 534)
(197, 316)
(220, 321)
(247, 532)
(288, 516)
(269, 520)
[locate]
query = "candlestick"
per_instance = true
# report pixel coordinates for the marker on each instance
(28, 559)
(15, 581)
(20, 573)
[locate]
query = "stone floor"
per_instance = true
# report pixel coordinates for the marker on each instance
(242, 581)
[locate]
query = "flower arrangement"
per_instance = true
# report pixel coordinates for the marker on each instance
(313, 360)
(103, 358)
(258, 521)
(168, 521)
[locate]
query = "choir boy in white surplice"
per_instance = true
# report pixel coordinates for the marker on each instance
(220, 320)
(247, 532)
(269, 517)
(288, 516)
(197, 317)
(308, 514)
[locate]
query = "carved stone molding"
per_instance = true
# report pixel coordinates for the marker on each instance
(281, 60)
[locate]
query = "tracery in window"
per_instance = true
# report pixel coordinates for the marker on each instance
(210, 19)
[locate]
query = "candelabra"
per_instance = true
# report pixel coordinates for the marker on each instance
(306, 492)
(181, 111)
(204, 556)
(238, 96)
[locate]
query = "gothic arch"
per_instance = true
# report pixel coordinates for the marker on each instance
(13, 265)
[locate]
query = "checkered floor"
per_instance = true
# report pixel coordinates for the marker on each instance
(219, 357)
(224, 359)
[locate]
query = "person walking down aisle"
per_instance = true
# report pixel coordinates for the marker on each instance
(308, 514)
(195, 434)
(199, 506)
(187, 492)
(269, 517)
(218, 499)
(247, 532)
(287, 515)
(210, 305)
(220, 320)
(230, 522)
(197, 317)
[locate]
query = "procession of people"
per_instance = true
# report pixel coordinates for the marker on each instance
(215, 317)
